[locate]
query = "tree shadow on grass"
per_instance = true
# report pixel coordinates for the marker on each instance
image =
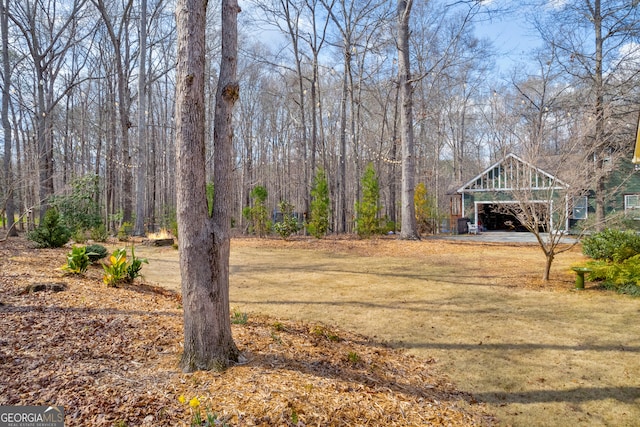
(630, 395)
(503, 347)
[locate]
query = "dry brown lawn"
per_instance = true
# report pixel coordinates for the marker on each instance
(484, 335)
(536, 353)
(109, 356)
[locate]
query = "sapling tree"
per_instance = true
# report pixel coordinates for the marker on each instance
(367, 220)
(257, 215)
(542, 202)
(319, 223)
(289, 224)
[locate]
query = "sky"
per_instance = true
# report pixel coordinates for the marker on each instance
(512, 38)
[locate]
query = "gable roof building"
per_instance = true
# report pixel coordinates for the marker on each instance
(482, 198)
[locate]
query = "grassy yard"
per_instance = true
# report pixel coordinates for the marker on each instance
(537, 353)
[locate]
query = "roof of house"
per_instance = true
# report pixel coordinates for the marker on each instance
(512, 172)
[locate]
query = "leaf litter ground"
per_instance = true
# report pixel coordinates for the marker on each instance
(109, 356)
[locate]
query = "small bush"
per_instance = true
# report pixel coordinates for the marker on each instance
(125, 231)
(77, 261)
(116, 271)
(51, 233)
(79, 236)
(96, 252)
(258, 215)
(120, 270)
(611, 245)
(99, 233)
(623, 277)
(133, 269)
(289, 224)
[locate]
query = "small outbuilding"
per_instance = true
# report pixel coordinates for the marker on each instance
(483, 198)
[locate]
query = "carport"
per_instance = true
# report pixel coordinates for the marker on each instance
(485, 198)
(494, 216)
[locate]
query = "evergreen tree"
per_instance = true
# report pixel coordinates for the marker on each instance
(320, 204)
(367, 221)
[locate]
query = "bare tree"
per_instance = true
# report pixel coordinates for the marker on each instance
(49, 34)
(352, 20)
(204, 239)
(409, 228)
(594, 40)
(545, 193)
(117, 31)
(141, 149)
(9, 204)
(541, 202)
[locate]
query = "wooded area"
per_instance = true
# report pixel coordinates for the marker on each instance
(88, 101)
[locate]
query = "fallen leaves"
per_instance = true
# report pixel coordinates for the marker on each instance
(110, 357)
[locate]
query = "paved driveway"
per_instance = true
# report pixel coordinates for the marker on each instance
(500, 237)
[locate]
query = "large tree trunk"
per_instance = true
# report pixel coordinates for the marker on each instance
(204, 241)
(6, 124)
(600, 143)
(409, 229)
(341, 214)
(141, 157)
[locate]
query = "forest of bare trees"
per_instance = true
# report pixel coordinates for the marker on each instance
(88, 90)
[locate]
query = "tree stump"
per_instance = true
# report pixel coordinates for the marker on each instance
(39, 287)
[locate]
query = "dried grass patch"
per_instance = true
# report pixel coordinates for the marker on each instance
(109, 355)
(537, 353)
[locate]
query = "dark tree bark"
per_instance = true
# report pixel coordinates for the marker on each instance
(6, 124)
(204, 240)
(141, 157)
(409, 229)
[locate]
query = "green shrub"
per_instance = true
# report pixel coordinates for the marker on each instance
(134, 267)
(119, 270)
(99, 233)
(77, 261)
(367, 221)
(96, 252)
(51, 233)
(611, 245)
(624, 276)
(79, 236)
(79, 210)
(289, 224)
(125, 231)
(320, 205)
(257, 215)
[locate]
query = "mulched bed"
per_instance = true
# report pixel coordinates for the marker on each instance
(109, 356)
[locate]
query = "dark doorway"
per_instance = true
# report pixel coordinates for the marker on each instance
(493, 218)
